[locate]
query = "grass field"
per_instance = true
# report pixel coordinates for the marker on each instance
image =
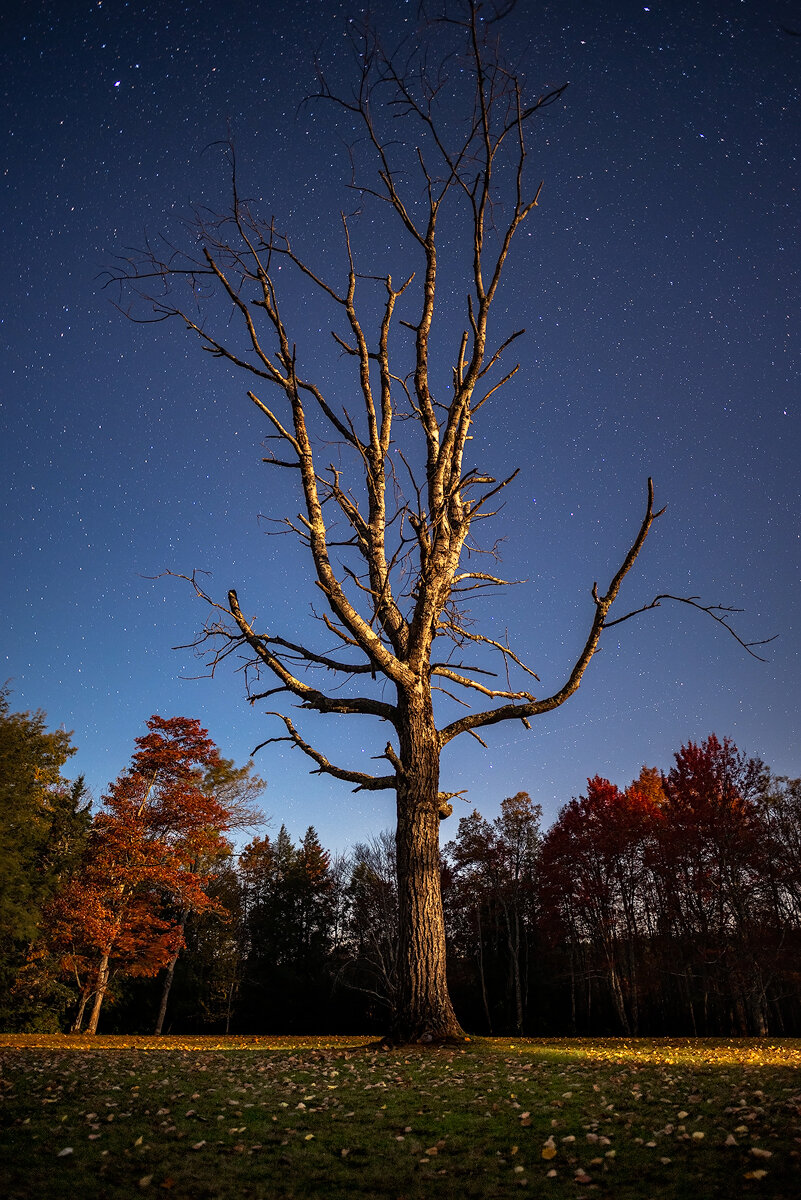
(276, 1118)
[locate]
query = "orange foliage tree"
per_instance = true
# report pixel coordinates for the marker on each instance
(158, 823)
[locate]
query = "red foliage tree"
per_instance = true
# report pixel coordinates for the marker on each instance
(596, 888)
(709, 870)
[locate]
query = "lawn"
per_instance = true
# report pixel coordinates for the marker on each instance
(277, 1118)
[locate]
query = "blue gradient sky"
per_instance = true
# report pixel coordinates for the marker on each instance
(660, 286)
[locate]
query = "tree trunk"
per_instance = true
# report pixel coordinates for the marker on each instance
(690, 1001)
(230, 1004)
(423, 1011)
(78, 1022)
(480, 956)
(168, 978)
(617, 992)
(513, 943)
(572, 991)
(100, 991)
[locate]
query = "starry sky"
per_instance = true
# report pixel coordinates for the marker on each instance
(659, 282)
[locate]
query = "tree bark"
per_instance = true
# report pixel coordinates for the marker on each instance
(78, 1022)
(168, 978)
(423, 1011)
(100, 992)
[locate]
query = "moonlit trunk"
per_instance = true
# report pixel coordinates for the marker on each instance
(423, 1011)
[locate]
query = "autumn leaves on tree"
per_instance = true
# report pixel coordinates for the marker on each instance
(146, 864)
(668, 906)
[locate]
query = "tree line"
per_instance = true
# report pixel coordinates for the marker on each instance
(672, 905)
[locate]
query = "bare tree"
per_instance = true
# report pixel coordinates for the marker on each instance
(395, 583)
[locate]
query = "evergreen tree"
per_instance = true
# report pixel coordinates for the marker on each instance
(43, 826)
(290, 915)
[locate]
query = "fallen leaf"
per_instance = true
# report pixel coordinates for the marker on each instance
(199, 1145)
(755, 1174)
(549, 1149)
(758, 1152)
(145, 1181)
(63, 1153)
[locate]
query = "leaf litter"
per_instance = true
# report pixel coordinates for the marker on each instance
(616, 1117)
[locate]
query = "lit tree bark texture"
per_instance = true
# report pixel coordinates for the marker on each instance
(388, 517)
(424, 1006)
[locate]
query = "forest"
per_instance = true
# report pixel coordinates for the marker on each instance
(668, 906)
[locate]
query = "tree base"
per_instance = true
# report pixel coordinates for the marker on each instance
(443, 1043)
(409, 1034)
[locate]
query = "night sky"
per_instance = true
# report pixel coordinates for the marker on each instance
(660, 288)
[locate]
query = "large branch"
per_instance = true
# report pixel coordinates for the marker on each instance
(363, 781)
(532, 708)
(492, 693)
(311, 697)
